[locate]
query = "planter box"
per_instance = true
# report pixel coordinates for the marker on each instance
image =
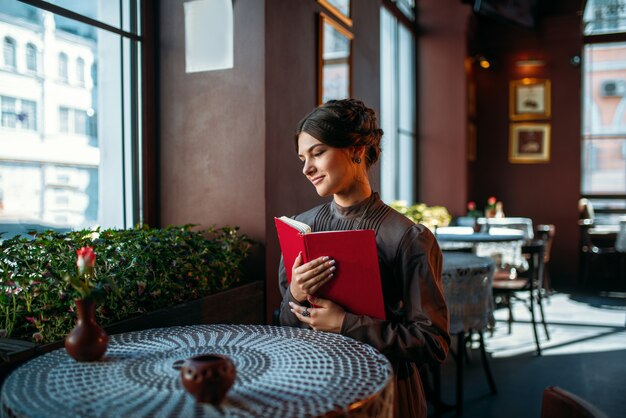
(240, 305)
(244, 304)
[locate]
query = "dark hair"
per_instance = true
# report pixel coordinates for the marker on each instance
(344, 123)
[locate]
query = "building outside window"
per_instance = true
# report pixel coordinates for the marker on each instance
(57, 168)
(80, 122)
(31, 57)
(604, 108)
(64, 120)
(63, 76)
(9, 52)
(9, 111)
(80, 71)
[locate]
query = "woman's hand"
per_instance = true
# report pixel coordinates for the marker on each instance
(326, 316)
(306, 279)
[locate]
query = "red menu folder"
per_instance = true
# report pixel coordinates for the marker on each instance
(356, 284)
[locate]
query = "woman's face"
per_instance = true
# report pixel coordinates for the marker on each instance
(330, 169)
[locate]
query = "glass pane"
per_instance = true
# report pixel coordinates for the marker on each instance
(604, 16)
(397, 110)
(604, 166)
(388, 46)
(605, 89)
(105, 11)
(59, 166)
(335, 64)
(604, 119)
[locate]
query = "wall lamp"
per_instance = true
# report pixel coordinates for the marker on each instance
(483, 61)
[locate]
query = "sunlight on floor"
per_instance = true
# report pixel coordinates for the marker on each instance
(577, 324)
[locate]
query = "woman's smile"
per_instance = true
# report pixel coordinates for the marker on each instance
(317, 180)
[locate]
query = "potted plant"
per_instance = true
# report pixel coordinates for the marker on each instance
(431, 216)
(198, 273)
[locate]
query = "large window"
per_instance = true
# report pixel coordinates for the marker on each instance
(70, 130)
(397, 111)
(604, 106)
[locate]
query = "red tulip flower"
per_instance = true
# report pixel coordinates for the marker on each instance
(86, 259)
(83, 283)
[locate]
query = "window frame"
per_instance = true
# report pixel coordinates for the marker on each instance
(604, 38)
(392, 141)
(145, 175)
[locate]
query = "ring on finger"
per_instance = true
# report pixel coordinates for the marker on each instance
(305, 312)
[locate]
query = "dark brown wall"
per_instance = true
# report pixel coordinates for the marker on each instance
(213, 128)
(291, 77)
(442, 49)
(227, 155)
(547, 193)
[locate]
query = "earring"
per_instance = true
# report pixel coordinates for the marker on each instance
(357, 160)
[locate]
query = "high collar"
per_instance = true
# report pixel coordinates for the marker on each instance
(355, 210)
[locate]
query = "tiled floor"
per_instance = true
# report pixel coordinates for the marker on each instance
(586, 355)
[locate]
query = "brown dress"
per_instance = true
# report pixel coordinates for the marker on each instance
(416, 329)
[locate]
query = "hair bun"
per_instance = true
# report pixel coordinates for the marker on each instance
(345, 123)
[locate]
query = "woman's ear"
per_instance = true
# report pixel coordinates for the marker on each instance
(358, 153)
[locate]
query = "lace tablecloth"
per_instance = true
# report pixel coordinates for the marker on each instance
(505, 249)
(281, 372)
(467, 286)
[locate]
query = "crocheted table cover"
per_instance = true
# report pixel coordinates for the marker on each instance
(281, 372)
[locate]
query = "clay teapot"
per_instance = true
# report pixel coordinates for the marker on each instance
(208, 377)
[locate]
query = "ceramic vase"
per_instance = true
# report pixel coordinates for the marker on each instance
(208, 377)
(87, 341)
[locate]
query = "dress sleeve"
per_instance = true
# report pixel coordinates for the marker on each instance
(418, 332)
(287, 317)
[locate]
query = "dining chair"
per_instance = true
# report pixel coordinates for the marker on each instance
(524, 287)
(593, 245)
(596, 242)
(560, 403)
(546, 232)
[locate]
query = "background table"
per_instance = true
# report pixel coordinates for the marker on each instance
(505, 249)
(281, 372)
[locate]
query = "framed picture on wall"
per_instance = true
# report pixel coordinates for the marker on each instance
(529, 143)
(529, 98)
(334, 60)
(339, 8)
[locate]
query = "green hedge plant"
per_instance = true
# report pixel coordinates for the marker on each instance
(137, 270)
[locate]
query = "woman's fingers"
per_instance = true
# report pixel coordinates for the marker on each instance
(313, 267)
(321, 272)
(309, 277)
(321, 282)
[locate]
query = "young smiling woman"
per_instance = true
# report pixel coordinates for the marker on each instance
(337, 143)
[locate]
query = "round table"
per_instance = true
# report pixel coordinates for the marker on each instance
(505, 249)
(467, 286)
(281, 372)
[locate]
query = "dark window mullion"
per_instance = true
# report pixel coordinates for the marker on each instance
(53, 8)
